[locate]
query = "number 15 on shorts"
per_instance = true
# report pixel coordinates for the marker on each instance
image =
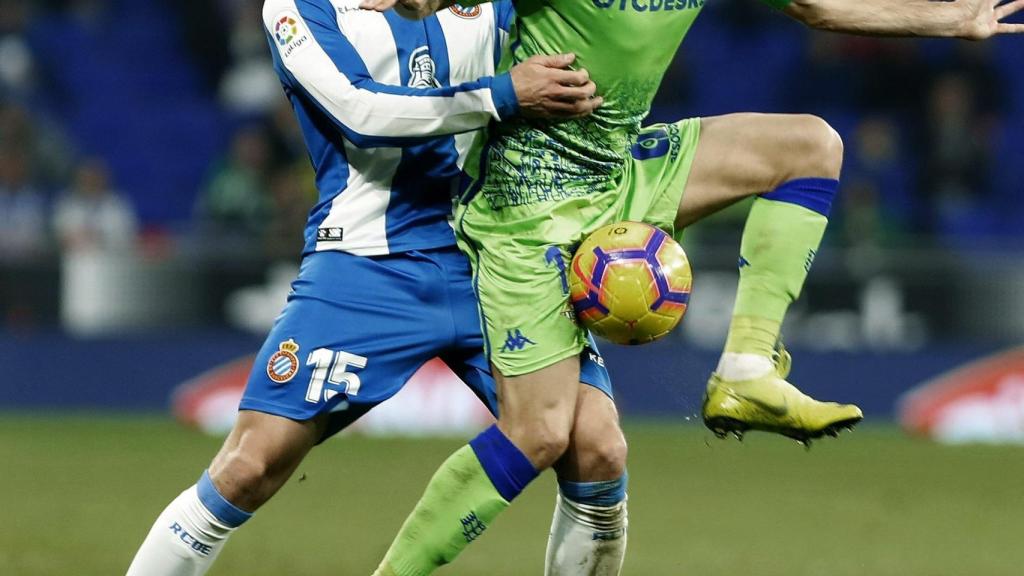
(333, 367)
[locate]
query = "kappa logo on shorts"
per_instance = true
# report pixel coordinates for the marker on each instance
(516, 341)
(284, 364)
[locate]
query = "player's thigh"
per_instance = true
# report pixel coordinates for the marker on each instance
(741, 155)
(353, 332)
(536, 410)
(260, 454)
(521, 283)
(473, 369)
(597, 447)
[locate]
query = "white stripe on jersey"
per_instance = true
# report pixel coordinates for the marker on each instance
(371, 36)
(465, 38)
(362, 209)
(465, 62)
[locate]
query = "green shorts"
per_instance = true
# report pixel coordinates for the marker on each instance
(521, 254)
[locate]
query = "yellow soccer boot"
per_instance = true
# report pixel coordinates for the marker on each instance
(771, 404)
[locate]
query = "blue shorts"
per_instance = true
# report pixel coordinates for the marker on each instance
(356, 328)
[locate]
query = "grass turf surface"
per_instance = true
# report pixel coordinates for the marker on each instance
(78, 494)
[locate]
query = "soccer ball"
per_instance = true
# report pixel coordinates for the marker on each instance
(630, 283)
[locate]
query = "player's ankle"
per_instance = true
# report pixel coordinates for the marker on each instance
(737, 367)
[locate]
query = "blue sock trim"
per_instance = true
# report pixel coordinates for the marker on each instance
(812, 193)
(507, 467)
(232, 516)
(606, 493)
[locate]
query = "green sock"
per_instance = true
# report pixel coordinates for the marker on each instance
(779, 243)
(459, 503)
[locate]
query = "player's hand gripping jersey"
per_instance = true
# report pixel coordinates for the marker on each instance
(541, 187)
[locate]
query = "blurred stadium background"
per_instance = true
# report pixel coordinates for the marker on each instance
(153, 190)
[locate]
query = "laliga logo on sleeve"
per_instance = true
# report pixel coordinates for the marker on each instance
(467, 12)
(290, 34)
(285, 30)
(284, 364)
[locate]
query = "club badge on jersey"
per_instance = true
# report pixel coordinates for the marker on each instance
(284, 364)
(467, 12)
(421, 69)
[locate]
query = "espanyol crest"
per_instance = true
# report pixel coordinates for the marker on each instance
(422, 69)
(284, 364)
(467, 12)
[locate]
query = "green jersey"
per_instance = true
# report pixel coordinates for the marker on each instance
(546, 185)
(626, 45)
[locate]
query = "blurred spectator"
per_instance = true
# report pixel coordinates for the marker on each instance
(47, 149)
(292, 194)
(91, 216)
(893, 73)
(17, 64)
(286, 140)
(857, 74)
(203, 25)
(824, 80)
(876, 196)
(956, 151)
(250, 85)
(235, 203)
(23, 224)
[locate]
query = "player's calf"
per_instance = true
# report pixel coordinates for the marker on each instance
(588, 531)
(257, 458)
(597, 449)
(189, 534)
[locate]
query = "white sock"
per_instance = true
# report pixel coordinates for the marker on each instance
(187, 537)
(736, 367)
(586, 540)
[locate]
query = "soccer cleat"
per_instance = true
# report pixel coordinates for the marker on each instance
(772, 404)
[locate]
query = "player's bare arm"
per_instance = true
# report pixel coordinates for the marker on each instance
(968, 19)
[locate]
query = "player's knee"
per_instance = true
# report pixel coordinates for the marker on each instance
(551, 443)
(243, 479)
(604, 460)
(543, 442)
(818, 148)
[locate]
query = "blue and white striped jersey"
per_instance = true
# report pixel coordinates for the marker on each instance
(388, 108)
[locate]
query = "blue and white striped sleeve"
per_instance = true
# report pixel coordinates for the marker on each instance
(315, 57)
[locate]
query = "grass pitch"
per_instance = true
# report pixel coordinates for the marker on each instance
(78, 494)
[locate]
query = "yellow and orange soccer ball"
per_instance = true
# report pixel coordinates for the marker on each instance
(630, 283)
